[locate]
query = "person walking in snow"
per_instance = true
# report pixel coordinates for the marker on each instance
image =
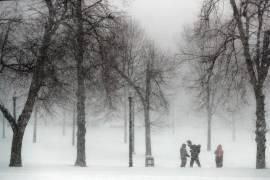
(219, 156)
(194, 152)
(184, 155)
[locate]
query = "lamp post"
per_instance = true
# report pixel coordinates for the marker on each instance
(131, 132)
(133, 125)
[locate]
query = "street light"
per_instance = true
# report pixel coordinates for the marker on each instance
(131, 131)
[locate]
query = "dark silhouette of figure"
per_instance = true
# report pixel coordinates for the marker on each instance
(219, 156)
(184, 155)
(194, 152)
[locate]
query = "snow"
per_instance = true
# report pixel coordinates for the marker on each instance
(53, 156)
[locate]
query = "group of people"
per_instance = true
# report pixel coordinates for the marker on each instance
(194, 154)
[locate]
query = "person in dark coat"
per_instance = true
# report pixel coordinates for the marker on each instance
(184, 155)
(219, 156)
(194, 152)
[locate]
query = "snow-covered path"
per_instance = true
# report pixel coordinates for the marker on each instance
(52, 157)
(118, 173)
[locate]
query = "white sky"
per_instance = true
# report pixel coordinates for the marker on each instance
(164, 20)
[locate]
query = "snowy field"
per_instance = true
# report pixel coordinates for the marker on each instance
(53, 156)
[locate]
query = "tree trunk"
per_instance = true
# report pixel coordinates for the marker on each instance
(73, 126)
(4, 127)
(64, 124)
(148, 151)
(15, 157)
(147, 112)
(233, 129)
(260, 128)
(35, 127)
(81, 130)
(14, 107)
(209, 117)
(149, 159)
(80, 161)
(36, 83)
(125, 116)
(256, 81)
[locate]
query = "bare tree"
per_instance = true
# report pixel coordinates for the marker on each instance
(38, 69)
(206, 85)
(82, 30)
(79, 53)
(145, 73)
(246, 32)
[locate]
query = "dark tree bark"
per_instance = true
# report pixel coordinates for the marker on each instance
(147, 112)
(80, 161)
(257, 81)
(260, 127)
(14, 107)
(148, 150)
(36, 83)
(19, 127)
(16, 148)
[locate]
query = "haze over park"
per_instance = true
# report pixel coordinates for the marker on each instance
(134, 89)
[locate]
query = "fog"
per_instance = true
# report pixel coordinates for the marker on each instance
(164, 20)
(136, 103)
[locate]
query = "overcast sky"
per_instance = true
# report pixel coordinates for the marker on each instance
(165, 19)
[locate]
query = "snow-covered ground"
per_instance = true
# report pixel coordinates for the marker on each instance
(53, 156)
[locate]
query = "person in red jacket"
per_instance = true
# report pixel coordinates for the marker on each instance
(219, 156)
